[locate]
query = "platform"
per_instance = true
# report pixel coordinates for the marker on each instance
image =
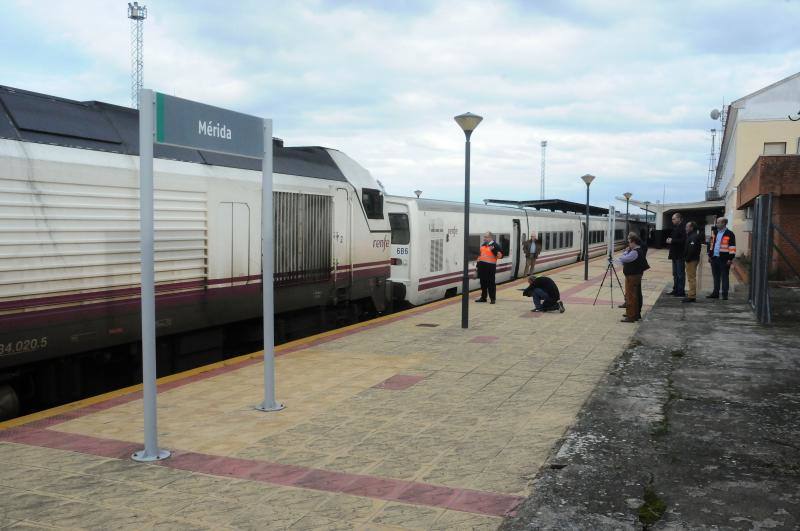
(403, 422)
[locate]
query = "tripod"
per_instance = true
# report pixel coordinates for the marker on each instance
(609, 267)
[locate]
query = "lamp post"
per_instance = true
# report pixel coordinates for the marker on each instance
(627, 196)
(468, 122)
(588, 180)
(647, 223)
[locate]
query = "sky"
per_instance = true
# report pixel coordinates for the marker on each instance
(619, 89)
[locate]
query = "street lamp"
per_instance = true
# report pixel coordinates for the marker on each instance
(627, 196)
(418, 193)
(588, 180)
(468, 122)
(646, 223)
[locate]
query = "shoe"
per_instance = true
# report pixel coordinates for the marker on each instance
(724, 297)
(480, 300)
(561, 308)
(712, 296)
(688, 299)
(537, 310)
(671, 292)
(491, 302)
(626, 320)
(623, 305)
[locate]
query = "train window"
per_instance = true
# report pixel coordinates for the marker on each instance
(619, 234)
(474, 246)
(569, 239)
(546, 241)
(560, 240)
(373, 203)
(400, 232)
(505, 243)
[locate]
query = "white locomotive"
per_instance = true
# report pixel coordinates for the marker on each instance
(69, 245)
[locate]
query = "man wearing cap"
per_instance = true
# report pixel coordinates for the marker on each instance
(487, 266)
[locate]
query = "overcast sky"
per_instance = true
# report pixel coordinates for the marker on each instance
(620, 89)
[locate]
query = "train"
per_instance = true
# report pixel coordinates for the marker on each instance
(69, 248)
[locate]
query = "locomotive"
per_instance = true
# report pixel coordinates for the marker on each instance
(69, 247)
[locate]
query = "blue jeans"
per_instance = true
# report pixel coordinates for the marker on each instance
(679, 275)
(540, 298)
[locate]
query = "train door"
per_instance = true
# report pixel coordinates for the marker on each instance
(342, 255)
(235, 225)
(516, 246)
(401, 244)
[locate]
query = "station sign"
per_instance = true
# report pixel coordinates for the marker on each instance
(189, 124)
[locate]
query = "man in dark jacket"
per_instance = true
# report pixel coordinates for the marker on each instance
(691, 256)
(634, 264)
(721, 252)
(546, 297)
(677, 243)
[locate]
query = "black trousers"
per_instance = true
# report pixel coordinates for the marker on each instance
(721, 270)
(640, 299)
(486, 273)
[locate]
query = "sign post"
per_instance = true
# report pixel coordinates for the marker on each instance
(151, 451)
(174, 121)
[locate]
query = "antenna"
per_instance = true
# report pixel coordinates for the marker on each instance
(712, 164)
(137, 14)
(541, 181)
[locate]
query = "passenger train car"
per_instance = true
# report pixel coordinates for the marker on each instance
(428, 235)
(69, 246)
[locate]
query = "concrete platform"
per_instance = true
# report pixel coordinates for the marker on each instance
(404, 422)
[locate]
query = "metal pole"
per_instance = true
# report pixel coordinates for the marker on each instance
(465, 281)
(151, 451)
(627, 229)
(586, 239)
(267, 274)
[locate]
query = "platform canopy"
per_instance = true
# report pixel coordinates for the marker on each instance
(554, 205)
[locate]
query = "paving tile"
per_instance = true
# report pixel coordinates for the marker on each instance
(343, 507)
(406, 516)
(210, 511)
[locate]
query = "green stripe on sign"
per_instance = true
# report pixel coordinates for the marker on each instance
(159, 117)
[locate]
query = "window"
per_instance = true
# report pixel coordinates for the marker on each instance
(571, 240)
(560, 240)
(474, 249)
(619, 234)
(774, 148)
(505, 243)
(373, 203)
(400, 232)
(546, 241)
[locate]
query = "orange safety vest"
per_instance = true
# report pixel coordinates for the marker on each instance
(725, 245)
(488, 256)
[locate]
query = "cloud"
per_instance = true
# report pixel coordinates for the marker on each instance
(619, 89)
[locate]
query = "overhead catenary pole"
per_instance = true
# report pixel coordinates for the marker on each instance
(267, 274)
(151, 451)
(541, 180)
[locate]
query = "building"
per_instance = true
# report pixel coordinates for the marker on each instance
(757, 125)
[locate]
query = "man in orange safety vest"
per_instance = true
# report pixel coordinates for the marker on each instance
(487, 265)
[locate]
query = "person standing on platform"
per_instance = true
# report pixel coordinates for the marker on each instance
(694, 243)
(487, 266)
(634, 264)
(721, 252)
(677, 244)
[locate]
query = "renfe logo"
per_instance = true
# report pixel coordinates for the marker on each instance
(380, 244)
(208, 128)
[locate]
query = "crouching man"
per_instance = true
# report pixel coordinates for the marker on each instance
(544, 291)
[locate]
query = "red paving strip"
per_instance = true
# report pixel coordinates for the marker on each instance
(399, 382)
(464, 500)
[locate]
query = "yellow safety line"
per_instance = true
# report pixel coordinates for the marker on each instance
(72, 406)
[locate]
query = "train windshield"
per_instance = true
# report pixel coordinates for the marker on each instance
(373, 203)
(401, 235)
